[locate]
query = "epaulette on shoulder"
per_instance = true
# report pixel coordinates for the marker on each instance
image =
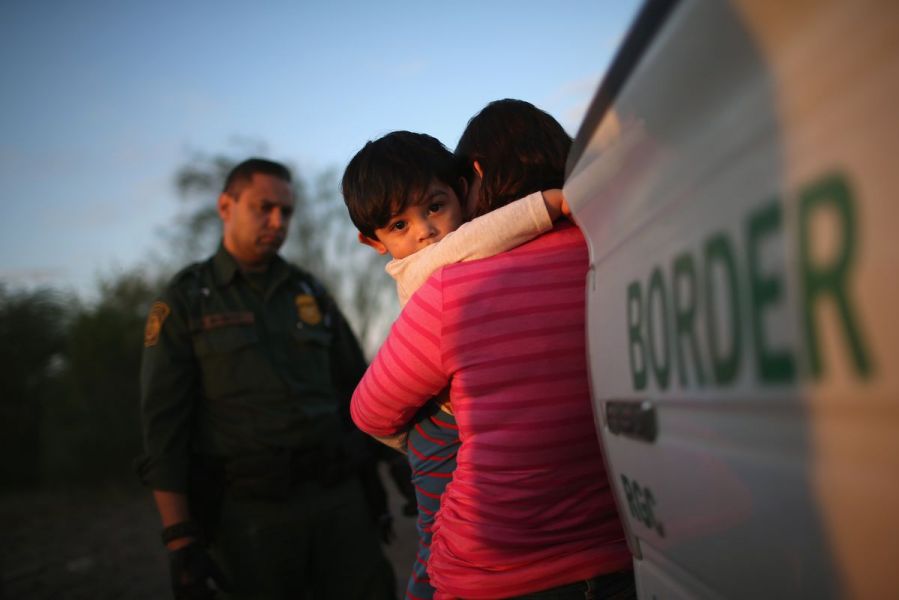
(191, 271)
(190, 276)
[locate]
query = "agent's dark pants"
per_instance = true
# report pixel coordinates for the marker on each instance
(319, 544)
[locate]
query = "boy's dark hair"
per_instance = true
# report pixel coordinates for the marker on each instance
(243, 173)
(520, 148)
(390, 173)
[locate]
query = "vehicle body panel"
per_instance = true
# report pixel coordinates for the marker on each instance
(740, 198)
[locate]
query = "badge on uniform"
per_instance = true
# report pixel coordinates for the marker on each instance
(307, 309)
(158, 312)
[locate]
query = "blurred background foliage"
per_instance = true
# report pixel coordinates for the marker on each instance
(69, 399)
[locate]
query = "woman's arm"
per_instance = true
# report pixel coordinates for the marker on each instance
(408, 369)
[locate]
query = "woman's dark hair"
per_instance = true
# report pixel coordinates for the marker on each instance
(521, 150)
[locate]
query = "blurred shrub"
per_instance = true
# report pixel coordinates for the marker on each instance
(69, 401)
(91, 430)
(32, 338)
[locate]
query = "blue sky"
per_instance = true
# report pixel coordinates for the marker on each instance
(103, 100)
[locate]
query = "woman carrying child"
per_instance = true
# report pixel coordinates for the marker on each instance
(403, 193)
(529, 510)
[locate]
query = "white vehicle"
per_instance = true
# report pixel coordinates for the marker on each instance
(737, 178)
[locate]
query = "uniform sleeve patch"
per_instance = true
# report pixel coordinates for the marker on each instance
(158, 313)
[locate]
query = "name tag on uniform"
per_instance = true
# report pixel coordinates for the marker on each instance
(227, 319)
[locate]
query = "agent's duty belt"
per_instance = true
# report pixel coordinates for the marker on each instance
(270, 475)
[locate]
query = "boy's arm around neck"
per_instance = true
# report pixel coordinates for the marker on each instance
(490, 234)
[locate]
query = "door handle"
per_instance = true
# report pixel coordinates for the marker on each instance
(633, 419)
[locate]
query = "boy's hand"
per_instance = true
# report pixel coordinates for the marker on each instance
(556, 204)
(396, 441)
(443, 401)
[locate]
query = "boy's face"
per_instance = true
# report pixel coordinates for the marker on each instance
(419, 225)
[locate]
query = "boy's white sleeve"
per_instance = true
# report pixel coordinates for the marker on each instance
(497, 231)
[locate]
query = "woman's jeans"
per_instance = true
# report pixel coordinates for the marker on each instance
(614, 586)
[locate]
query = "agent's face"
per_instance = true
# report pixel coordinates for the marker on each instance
(255, 223)
(419, 225)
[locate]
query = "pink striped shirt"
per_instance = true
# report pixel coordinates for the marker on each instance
(529, 507)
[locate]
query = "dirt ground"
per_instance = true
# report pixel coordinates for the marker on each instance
(104, 543)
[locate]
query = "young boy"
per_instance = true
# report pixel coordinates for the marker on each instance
(403, 194)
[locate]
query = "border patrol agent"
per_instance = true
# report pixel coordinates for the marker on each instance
(248, 366)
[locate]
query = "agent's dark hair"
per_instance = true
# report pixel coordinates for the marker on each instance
(393, 172)
(242, 174)
(520, 148)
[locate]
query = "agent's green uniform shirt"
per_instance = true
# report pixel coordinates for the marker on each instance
(236, 364)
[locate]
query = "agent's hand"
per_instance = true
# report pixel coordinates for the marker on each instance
(443, 399)
(192, 569)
